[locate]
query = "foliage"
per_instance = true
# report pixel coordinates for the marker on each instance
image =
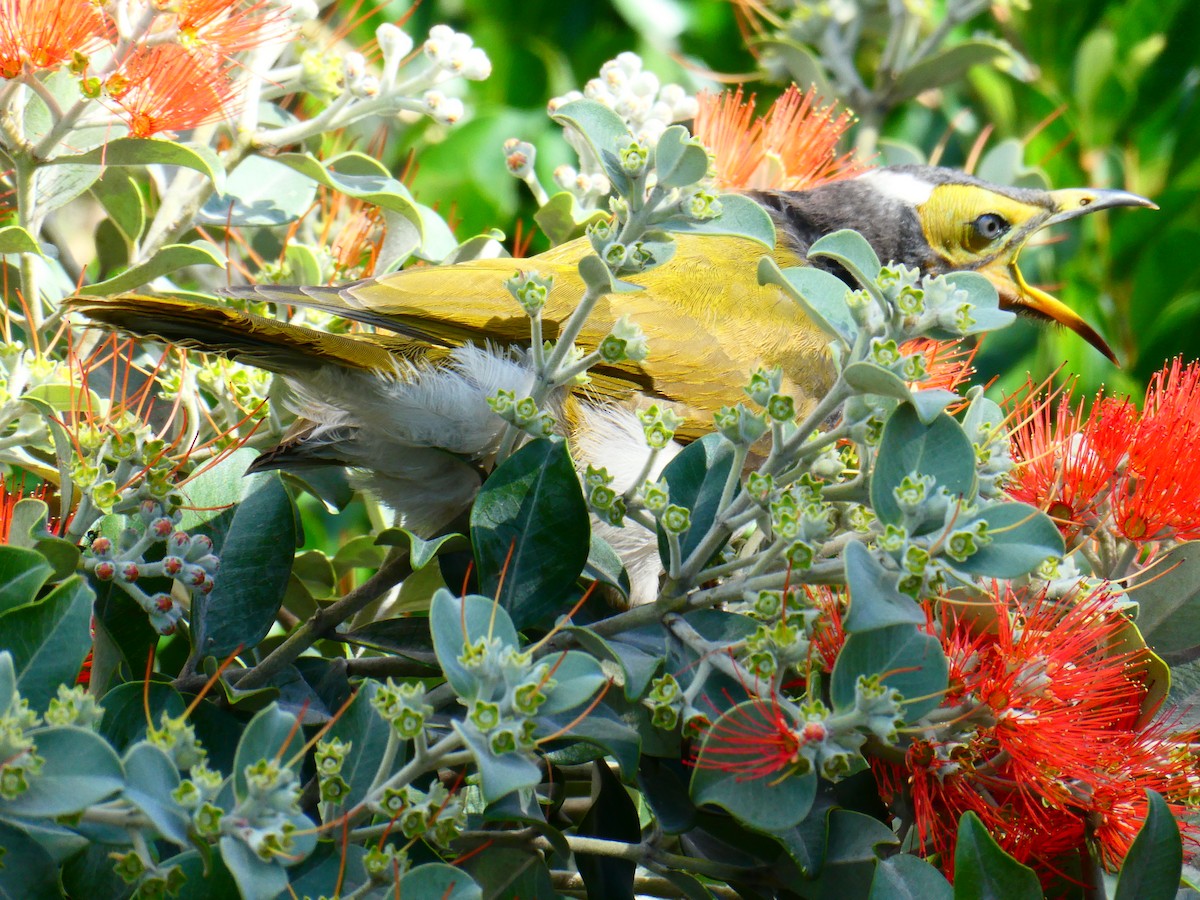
(904, 638)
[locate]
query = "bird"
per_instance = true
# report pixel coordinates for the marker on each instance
(405, 405)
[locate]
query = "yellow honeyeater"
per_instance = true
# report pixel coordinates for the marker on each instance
(407, 404)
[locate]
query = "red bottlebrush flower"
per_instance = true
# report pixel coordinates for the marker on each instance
(1066, 462)
(828, 634)
(1045, 744)
(164, 88)
(1158, 494)
(950, 364)
(44, 34)
(225, 27)
(755, 739)
(792, 147)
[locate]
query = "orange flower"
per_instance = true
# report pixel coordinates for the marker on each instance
(164, 88)
(44, 34)
(226, 27)
(792, 147)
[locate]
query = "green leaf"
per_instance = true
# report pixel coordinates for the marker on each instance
(875, 601)
(941, 449)
(441, 881)
(579, 676)
(256, 879)
(124, 721)
(907, 877)
(982, 294)
(404, 636)
(678, 160)
(260, 191)
(603, 565)
(1022, 537)
(481, 618)
(27, 870)
(602, 129)
(906, 659)
(982, 871)
(256, 559)
(533, 506)
(562, 219)
(138, 152)
(1154, 864)
(79, 769)
(596, 275)
(820, 294)
(499, 776)
(358, 182)
(28, 528)
(56, 186)
(851, 250)
(611, 817)
(1169, 603)
(15, 239)
(601, 729)
(167, 261)
(852, 853)
(637, 665)
(49, 640)
(798, 62)
(769, 802)
(271, 734)
(117, 191)
(740, 216)
(22, 574)
(869, 378)
(696, 479)
(949, 65)
(151, 776)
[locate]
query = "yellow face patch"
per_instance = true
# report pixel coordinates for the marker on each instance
(969, 225)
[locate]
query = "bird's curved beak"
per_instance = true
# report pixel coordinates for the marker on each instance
(1069, 204)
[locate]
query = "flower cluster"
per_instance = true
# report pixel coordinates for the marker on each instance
(1041, 734)
(791, 147)
(1131, 474)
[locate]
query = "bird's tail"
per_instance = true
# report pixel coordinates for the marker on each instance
(267, 343)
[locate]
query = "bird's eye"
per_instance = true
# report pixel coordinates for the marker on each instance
(990, 226)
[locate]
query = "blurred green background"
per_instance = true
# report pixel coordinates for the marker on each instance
(1118, 81)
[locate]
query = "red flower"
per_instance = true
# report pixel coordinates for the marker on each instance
(755, 739)
(1041, 737)
(792, 147)
(225, 27)
(44, 34)
(164, 88)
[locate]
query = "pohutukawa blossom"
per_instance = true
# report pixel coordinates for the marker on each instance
(1115, 468)
(45, 34)
(950, 364)
(792, 147)
(1047, 744)
(164, 88)
(223, 28)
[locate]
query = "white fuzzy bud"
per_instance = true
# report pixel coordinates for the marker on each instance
(394, 42)
(444, 110)
(476, 65)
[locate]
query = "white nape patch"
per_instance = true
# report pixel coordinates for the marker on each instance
(902, 186)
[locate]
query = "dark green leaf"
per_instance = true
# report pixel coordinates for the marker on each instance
(118, 193)
(124, 720)
(982, 871)
(949, 65)
(509, 873)
(604, 566)
(601, 728)
(22, 574)
(908, 660)
(49, 640)
(907, 877)
(1152, 867)
(1169, 603)
(440, 881)
(28, 872)
(696, 479)
(533, 506)
(611, 817)
(256, 559)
